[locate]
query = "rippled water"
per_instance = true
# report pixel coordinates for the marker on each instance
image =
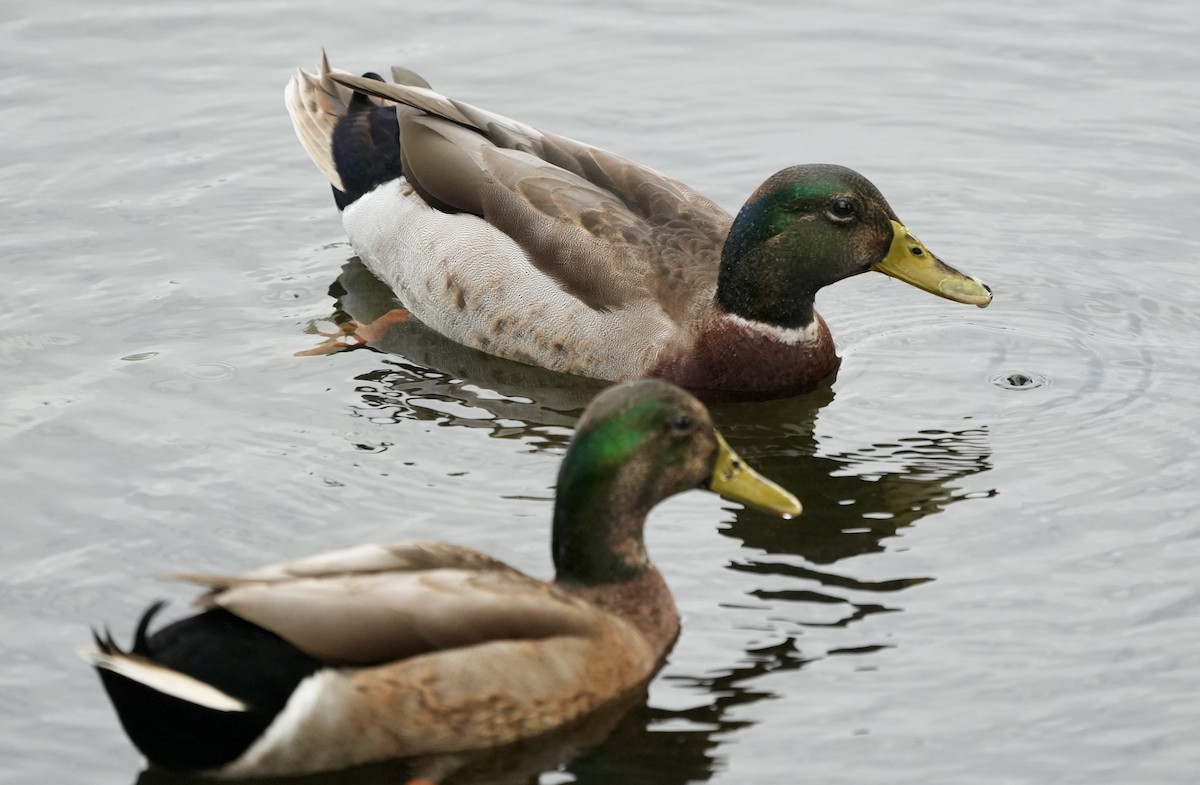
(994, 581)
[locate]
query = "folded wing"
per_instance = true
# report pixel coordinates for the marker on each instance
(377, 604)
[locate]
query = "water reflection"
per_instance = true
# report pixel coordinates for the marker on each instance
(854, 497)
(425, 376)
(653, 746)
(854, 501)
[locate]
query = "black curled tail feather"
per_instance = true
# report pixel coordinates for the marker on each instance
(141, 644)
(365, 147)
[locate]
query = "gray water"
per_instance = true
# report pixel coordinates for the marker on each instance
(995, 579)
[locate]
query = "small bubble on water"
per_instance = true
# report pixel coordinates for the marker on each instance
(1020, 380)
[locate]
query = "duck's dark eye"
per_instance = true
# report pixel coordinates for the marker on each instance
(842, 209)
(682, 424)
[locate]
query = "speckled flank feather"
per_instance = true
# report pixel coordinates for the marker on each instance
(443, 703)
(471, 282)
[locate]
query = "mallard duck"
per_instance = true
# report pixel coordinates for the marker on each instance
(538, 248)
(393, 651)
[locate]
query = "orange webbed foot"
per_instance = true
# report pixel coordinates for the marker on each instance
(354, 335)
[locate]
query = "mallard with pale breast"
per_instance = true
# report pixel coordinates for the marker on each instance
(535, 247)
(396, 651)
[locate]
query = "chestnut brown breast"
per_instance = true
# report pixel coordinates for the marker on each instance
(731, 356)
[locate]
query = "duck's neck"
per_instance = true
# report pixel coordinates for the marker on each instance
(598, 518)
(597, 537)
(758, 282)
(599, 553)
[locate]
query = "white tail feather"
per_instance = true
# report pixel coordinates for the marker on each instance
(315, 103)
(167, 681)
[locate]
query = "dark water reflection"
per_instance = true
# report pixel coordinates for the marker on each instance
(650, 748)
(426, 377)
(853, 498)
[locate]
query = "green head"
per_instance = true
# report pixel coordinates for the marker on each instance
(637, 444)
(809, 226)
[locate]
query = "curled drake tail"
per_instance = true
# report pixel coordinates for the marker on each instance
(353, 139)
(190, 697)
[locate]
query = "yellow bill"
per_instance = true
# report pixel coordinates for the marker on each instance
(910, 261)
(736, 481)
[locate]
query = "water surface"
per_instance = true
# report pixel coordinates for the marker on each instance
(994, 581)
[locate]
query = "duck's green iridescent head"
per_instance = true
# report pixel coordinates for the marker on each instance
(637, 444)
(809, 226)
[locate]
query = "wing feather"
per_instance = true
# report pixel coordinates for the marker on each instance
(374, 604)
